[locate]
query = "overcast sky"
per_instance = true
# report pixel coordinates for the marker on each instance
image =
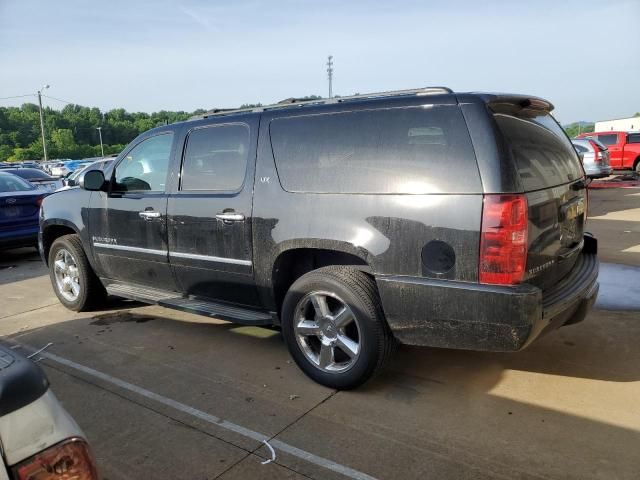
(147, 55)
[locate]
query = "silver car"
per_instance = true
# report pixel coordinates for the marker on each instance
(595, 157)
(40, 440)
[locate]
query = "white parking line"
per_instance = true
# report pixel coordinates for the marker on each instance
(219, 422)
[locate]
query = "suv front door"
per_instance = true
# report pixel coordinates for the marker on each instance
(209, 213)
(128, 223)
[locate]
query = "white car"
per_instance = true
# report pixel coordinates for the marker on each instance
(40, 440)
(59, 170)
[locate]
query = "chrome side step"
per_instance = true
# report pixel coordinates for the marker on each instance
(218, 310)
(198, 306)
(142, 294)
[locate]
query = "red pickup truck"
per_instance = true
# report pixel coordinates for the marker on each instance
(624, 148)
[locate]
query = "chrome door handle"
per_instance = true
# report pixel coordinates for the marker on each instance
(149, 214)
(230, 217)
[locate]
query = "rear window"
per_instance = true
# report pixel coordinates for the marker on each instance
(608, 139)
(398, 150)
(543, 154)
(599, 144)
(580, 148)
(31, 174)
(12, 183)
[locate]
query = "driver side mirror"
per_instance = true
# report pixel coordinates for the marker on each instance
(93, 180)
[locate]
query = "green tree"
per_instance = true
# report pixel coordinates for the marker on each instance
(575, 129)
(71, 132)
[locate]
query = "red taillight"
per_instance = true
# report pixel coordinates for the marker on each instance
(69, 460)
(503, 239)
(596, 148)
(39, 201)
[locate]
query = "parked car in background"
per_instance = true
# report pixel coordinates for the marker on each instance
(37, 177)
(594, 156)
(31, 164)
(425, 216)
(59, 169)
(624, 148)
(71, 180)
(40, 440)
(19, 206)
(47, 166)
(74, 165)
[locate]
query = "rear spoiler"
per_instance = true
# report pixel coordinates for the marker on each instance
(502, 103)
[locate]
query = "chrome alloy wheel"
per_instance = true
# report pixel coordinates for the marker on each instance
(66, 274)
(327, 332)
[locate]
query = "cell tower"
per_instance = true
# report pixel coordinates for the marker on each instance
(330, 74)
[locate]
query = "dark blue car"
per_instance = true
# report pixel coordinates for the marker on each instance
(19, 207)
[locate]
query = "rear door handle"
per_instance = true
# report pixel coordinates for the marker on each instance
(149, 214)
(229, 217)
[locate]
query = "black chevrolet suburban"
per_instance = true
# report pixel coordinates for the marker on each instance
(424, 217)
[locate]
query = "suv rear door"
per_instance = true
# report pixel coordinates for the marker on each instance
(209, 212)
(553, 181)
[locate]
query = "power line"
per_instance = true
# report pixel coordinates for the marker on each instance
(60, 100)
(18, 96)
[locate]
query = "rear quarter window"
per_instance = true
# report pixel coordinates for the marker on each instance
(543, 155)
(608, 139)
(397, 150)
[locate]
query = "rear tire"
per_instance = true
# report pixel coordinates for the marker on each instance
(636, 167)
(334, 327)
(74, 281)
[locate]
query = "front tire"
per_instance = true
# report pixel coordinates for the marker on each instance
(334, 327)
(73, 280)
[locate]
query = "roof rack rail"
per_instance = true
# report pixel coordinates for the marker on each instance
(298, 102)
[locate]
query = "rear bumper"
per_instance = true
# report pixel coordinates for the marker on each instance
(442, 313)
(597, 171)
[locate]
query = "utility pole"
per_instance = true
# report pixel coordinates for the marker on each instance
(44, 140)
(330, 74)
(100, 133)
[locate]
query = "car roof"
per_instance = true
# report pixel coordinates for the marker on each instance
(436, 95)
(25, 169)
(587, 140)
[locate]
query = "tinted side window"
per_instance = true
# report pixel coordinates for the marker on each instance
(608, 139)
(144, 169)
(399, 150)
(542, 152)
(215, 158)
(633, 138)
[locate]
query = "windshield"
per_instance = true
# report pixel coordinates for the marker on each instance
(12, 183)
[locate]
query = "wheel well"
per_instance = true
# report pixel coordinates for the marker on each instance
(292, 264)
(50, 234)
(636, 162)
